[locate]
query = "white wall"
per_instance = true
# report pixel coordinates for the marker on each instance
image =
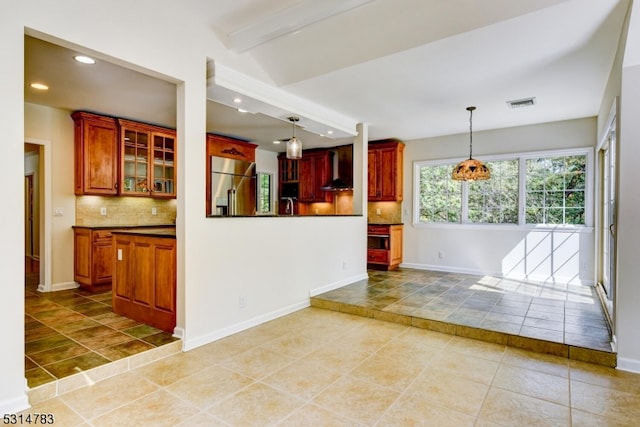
(516, 252)
(628, 227)
(56, 127)
(274, 262)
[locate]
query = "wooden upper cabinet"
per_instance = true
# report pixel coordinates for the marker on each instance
(96, 154)
(315, 170)
(385, 181)
(148, 155)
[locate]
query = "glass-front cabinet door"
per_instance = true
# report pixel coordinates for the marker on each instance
(148, 160)
(135, 162)
(163, 164)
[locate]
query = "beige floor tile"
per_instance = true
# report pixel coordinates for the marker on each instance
(512, 409)
(414, 352)
(585, 419)
(605, 376)
(107, 395)
(531, 383)
(481, 349)
(257, 363)
(203, 419)
(335, 357)
(256, 405)
(443, 389)
(605, 402)
(313, 416)
(396, 374)
(62, 414)
(303, 378)
(171, 369)
(466, 366)
(552, 365)
(293, 344)
(209, 386)
(157, 409)
(356, 399)
(413, 411)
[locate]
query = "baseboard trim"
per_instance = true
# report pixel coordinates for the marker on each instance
(474, 271)
(17, 404)
(338, 284)
(59, 286)
(629, 365)
(190, 344)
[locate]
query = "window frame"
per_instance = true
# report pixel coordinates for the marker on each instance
(521, 157)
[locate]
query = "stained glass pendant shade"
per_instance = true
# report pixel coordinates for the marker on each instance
(470, 169)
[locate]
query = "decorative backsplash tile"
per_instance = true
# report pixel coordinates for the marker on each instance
(124, 211)
(384, 213)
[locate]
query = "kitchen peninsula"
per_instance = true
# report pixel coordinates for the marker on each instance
(144, 275)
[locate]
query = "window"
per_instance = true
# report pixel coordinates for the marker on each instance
(532, 188)
(555, 190)
(264, 192)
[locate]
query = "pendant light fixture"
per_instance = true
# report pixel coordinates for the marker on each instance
(470, 169)
(294, 145)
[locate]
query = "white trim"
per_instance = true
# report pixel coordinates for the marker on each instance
(629, 365)
(498, 274)
(45, 210)
(338, 284)
(191, 343)
(15, 405)
(59, 287)
(506, 227)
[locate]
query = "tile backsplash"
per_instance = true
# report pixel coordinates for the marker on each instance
(384, 212)
(124, 211)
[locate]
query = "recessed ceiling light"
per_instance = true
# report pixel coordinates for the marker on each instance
(240, 110)
(84, 59)
(277, 141)
(330, 132)
(237, 100)
(39, 86)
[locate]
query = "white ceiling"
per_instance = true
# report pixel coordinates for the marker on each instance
(408, 68)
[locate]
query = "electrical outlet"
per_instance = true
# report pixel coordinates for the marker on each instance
(119, 254)
(154, 211)
(441, 254)
(344, 265)
(58, 212)
(103, 211)
(242, 302)
(378, 211)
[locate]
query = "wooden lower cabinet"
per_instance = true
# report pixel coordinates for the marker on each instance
(384, 246)
(144, 280)
(93, 258)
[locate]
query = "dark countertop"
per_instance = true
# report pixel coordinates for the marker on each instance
(168, 232)
(282, 216)
(123, 227)
(385, 223)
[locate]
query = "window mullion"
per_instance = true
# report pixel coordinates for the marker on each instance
(464, 216)
(522, 190)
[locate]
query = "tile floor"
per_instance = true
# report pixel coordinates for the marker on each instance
(319, 367)
(501, 310)
(74, 330)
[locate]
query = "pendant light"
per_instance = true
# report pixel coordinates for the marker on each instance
(294, 145)
(470, 169)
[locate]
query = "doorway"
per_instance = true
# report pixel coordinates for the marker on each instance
(607, 225)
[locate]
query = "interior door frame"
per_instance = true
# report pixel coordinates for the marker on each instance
(608, 301)
(45, 212)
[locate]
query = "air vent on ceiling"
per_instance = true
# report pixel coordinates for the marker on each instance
(525, 102)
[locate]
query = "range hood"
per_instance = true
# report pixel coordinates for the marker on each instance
(342, 169)
(337, 185)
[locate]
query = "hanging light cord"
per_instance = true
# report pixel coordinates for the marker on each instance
(470, 130)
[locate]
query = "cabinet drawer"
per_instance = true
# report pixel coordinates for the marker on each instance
(378, 255)
(378, 229)
(102, 234)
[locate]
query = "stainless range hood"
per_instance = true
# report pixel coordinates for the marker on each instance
(342, 169)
